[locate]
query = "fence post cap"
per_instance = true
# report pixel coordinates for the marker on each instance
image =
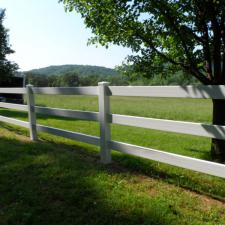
(103, 83)
(29, 85)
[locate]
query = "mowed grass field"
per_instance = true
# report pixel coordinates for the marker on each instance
(60, 181)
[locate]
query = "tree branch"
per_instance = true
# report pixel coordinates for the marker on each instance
(222, 25)
(217, 47)
(188, 68)
(177, 29)
(206, 50)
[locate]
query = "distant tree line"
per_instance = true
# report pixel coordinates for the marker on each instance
(82, 70)
(159, 76)
(72, 79)
(163, 74)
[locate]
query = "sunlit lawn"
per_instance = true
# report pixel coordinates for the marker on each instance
(130, 191)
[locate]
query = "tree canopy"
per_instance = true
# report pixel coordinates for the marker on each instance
(7, 68)
(188, 34)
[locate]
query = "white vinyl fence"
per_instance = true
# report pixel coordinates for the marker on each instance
(105, 118)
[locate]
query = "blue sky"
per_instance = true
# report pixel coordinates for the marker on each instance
(42, 34)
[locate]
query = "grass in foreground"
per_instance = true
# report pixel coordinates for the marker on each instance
(177, 109)
(57, 181)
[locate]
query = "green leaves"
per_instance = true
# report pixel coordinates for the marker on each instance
(170, 29)
(7, 68)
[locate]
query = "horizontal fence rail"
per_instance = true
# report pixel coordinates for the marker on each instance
(105, 118)
(197, 129)
(77, 114)
(203, 166)
(69, 134)
(13, 90)
(14, 121)
(210, 91)
(13, 106)
(66, 91)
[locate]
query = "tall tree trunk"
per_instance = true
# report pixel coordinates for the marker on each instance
(218, 146)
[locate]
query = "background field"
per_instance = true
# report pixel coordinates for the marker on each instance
(162, 176)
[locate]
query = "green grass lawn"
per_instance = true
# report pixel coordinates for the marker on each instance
(60, 181)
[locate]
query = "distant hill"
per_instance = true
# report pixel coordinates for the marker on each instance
(81, 70)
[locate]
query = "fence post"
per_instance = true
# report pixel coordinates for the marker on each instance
(104, 112)
(31, 112)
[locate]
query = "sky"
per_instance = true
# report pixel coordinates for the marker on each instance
(43, 34)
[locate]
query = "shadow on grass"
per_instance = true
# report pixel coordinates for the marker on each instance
(198, 182)
(14, 114)
(41, 183)
(24, 115)
(204, 154)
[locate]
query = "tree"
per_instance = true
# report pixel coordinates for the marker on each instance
(69, 79)
(7, 68)
(160, 74)
(187, 34)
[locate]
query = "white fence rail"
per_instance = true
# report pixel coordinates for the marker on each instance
(198, 129)
(69, 134)
(66, 91)
(77, 114)
(105, 118)
(201, 91)
(14, 121)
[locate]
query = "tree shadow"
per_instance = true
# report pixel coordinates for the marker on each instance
(14, 114)
(198, 182)
(193, 181)
(216, 92)
(204, 154)
(205, 91)
(151, 169)
(41, 183)
(24, 115)
(211, 91)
